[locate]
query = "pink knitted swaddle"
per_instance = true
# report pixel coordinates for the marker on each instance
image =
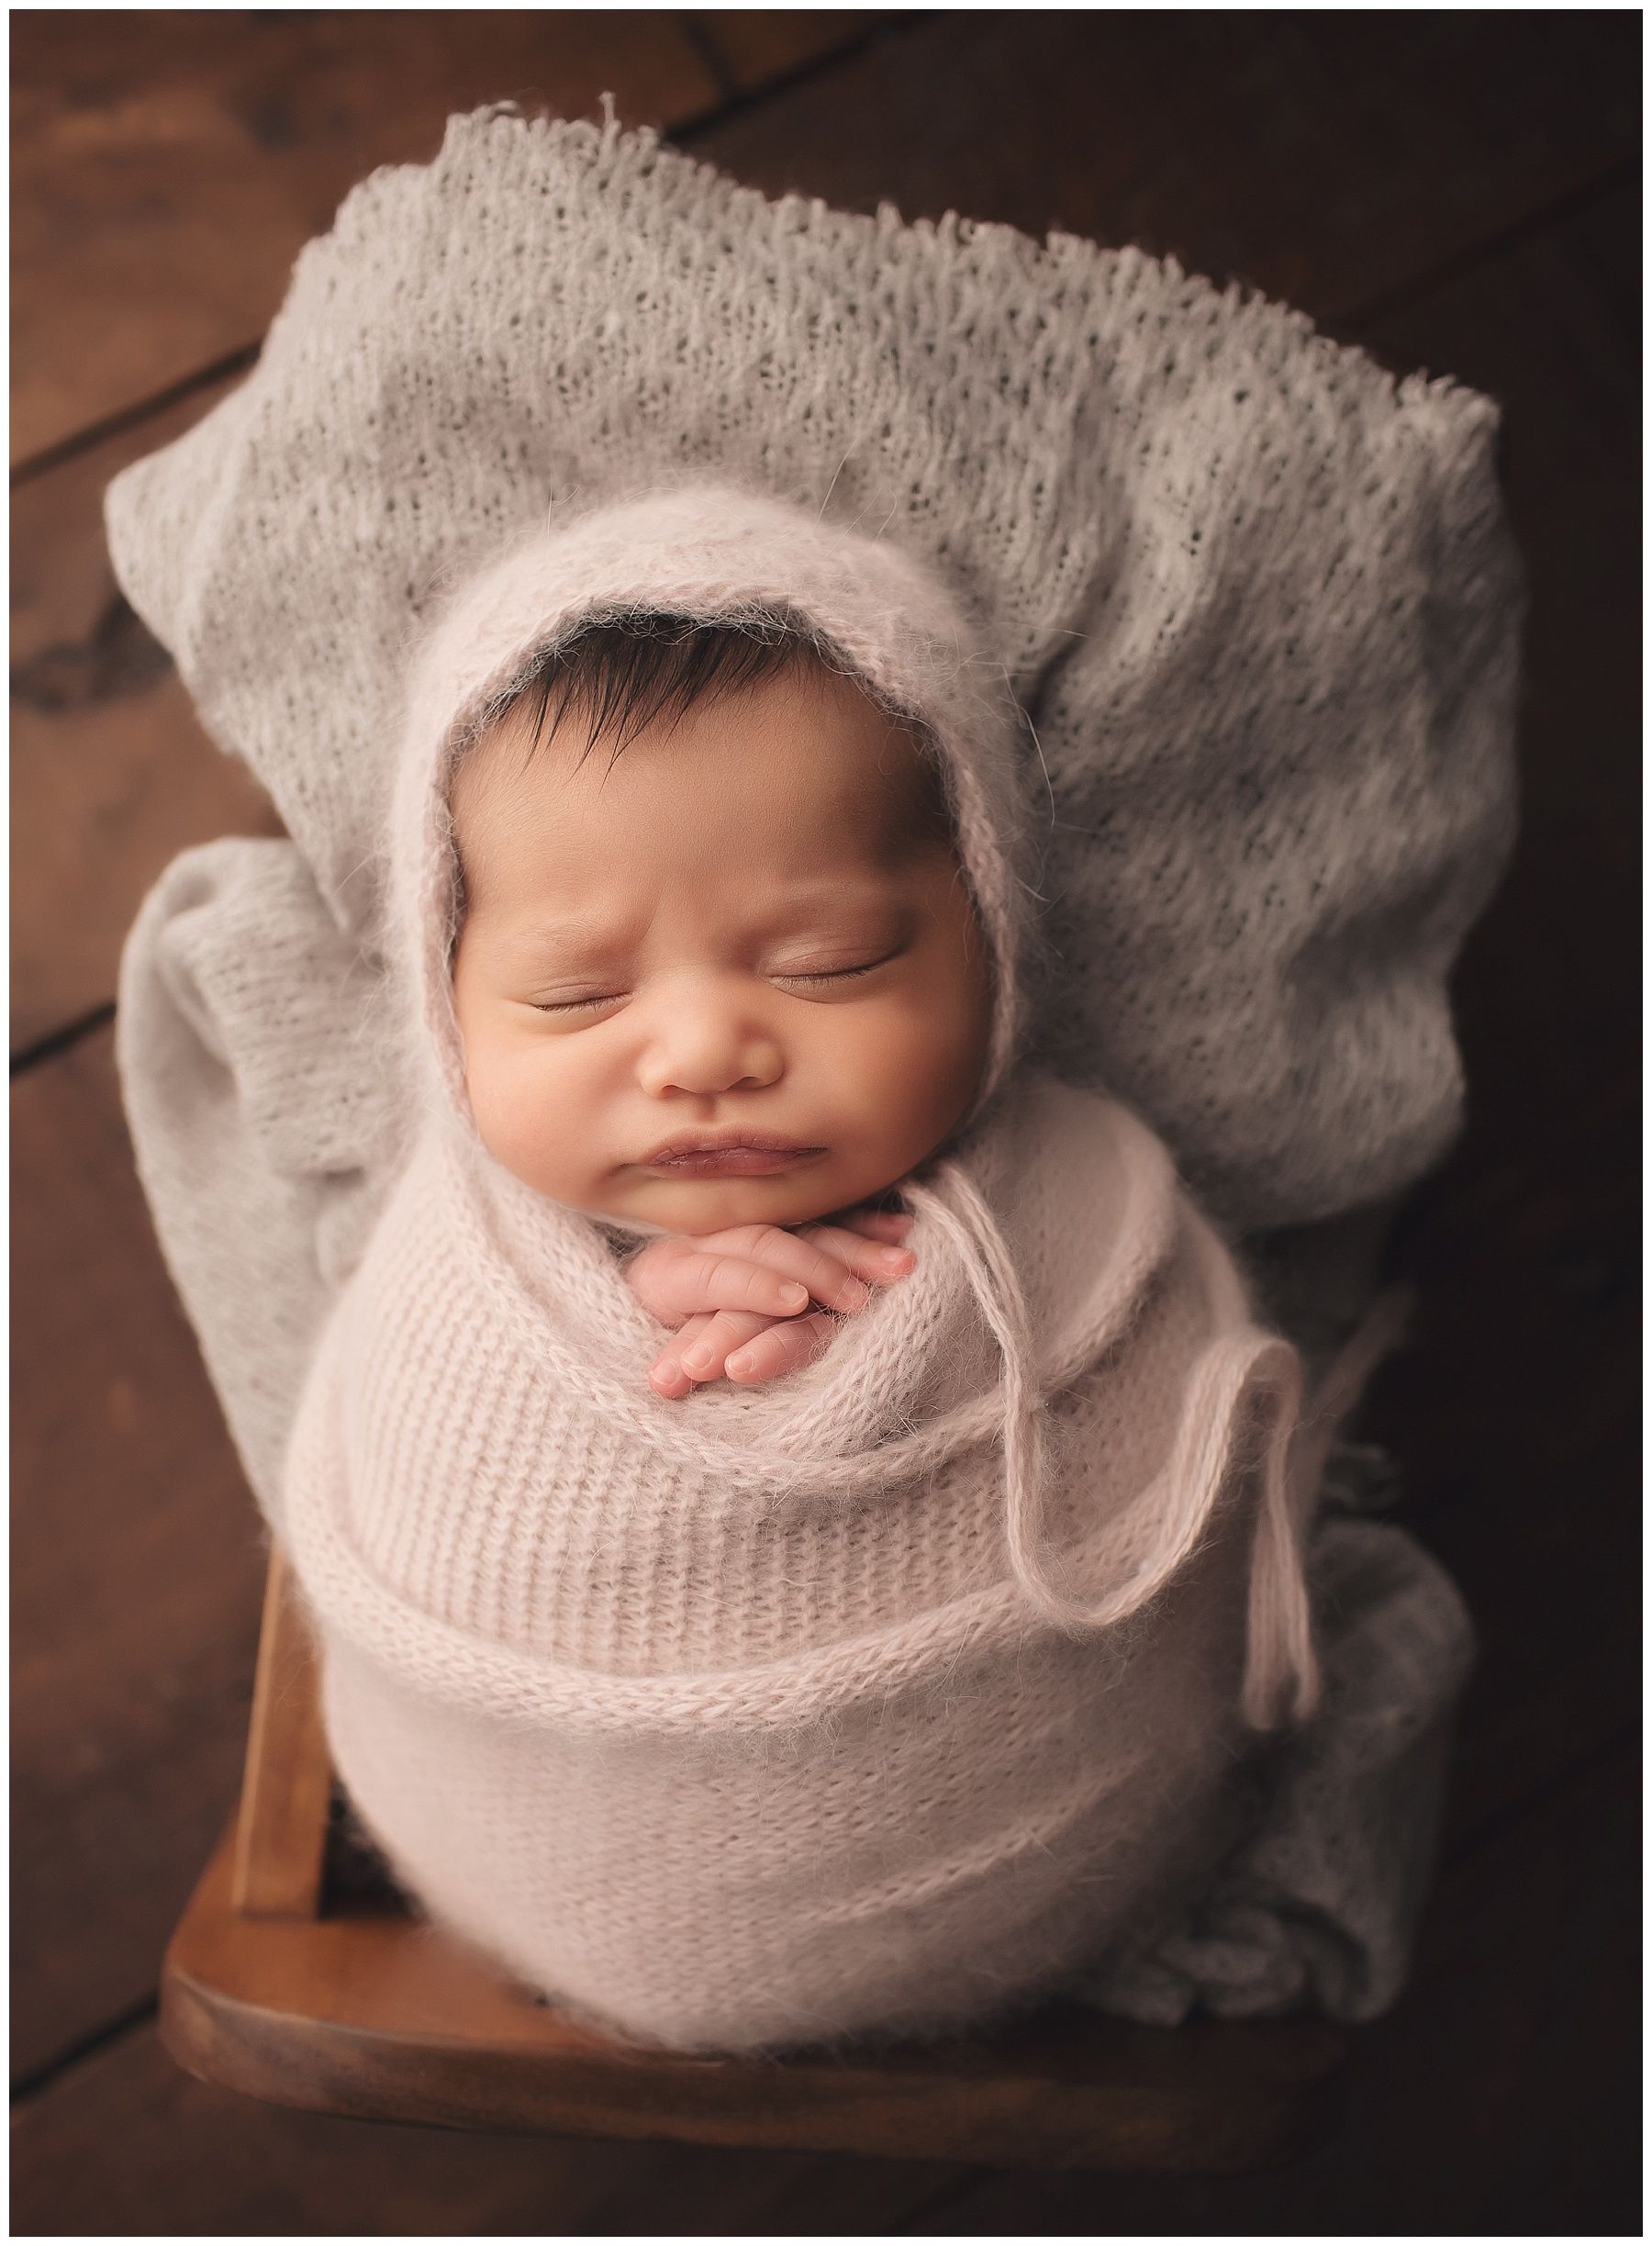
(876, 1700)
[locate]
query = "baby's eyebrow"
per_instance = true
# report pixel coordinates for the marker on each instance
(590, 936)
(577, 934)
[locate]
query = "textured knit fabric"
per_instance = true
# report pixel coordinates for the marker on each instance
(743, 1723)
(1318, 1901)
(1256, 600)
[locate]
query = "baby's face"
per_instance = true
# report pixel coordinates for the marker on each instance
(740, 926)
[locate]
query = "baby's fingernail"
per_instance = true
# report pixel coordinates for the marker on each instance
(742, 1361)
(895, 1256)
(699, 1359)
(852, 1294)
(792, 1295)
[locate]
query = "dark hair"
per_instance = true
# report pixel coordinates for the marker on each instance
(621, 674)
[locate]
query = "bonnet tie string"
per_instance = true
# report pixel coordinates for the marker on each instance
(1173, 1512)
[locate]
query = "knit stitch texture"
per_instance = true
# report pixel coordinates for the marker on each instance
(730, 1725)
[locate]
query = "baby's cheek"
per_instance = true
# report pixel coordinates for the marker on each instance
(927, 1050)
(512, 1106)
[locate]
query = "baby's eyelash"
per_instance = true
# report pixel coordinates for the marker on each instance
(831, 975)
(567, 1006)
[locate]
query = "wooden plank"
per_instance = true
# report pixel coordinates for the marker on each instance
(168, 165)
(136, 1561)
(1320, 156)
(111, 775)
(1501, 2099)
(756, 45)
(128, 2145)
(280, 1830)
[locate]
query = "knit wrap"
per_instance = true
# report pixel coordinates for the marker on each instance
(743, 1721)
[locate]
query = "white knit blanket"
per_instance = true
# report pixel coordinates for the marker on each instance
(771, 1716)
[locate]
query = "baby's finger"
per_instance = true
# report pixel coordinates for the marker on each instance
(786, 1346)
(877, 1262)
(704, 1356)
(787, 1256)
(716, 1279)
(715, 1331)
(666, 1376)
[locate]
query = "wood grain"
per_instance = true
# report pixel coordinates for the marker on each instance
(167, 166)
(198, 2161)
(756, 45)
(111, 774)
(136, 1561)
(1329, 159)
(286, 1788)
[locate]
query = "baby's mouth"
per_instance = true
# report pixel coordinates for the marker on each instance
(760, 1155)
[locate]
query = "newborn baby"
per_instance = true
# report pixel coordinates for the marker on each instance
(755, 1613)
(725, 981)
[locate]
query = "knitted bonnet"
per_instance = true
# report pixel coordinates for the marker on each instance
(715, 554)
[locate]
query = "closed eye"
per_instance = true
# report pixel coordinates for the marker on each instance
(567, 1006)
(829, 975)
(834, 975)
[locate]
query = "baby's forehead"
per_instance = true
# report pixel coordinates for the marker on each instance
(803, 770)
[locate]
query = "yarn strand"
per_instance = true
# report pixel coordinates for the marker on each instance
(1279, 1650)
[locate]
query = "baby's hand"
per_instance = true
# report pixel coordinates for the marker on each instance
(740, 1297)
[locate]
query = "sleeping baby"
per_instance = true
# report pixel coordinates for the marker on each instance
(723, 983)
(802, 1524)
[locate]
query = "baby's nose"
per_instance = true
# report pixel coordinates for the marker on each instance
(705, 1049)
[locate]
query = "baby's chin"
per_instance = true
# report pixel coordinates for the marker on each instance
(695, 1206)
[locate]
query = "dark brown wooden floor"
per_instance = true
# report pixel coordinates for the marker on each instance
(1456, 190)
